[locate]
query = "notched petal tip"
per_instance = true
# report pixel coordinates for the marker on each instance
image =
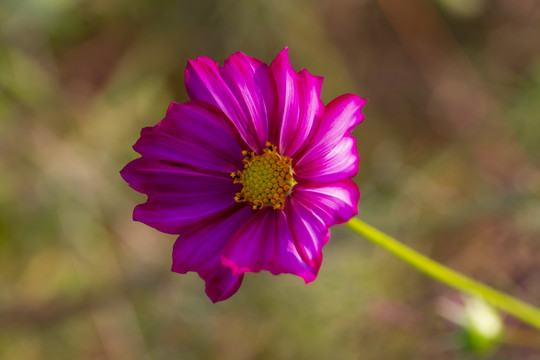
(201, 59)
(201, 67)
(128, 173)
(282, 59)
(318, 80)
(173, 106)
(240, 56)
(221, 284)
(308, 276)
(358, 102)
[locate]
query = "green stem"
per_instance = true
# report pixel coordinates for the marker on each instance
(507, 303)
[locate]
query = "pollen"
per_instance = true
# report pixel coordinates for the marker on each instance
(267, 178)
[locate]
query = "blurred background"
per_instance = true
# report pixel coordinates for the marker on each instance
(450, 155)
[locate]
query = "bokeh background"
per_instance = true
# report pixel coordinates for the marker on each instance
(450, 155)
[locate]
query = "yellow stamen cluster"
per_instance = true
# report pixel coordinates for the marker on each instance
(266, 178)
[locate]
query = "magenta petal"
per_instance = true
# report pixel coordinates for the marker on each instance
(250, 80)
(177, 196)
(331, 154)
(199, 249)
(298, 104)
(311, 107)
(333, 203)
(221, 283)
(265, 242)
(204, 82)
(310, 232)
(340, 162)
(195, 134)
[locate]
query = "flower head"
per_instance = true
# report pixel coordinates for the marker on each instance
(251, 172)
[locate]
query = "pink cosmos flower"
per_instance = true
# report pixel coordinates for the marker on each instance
(251, 172)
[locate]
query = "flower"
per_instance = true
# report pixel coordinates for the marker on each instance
(251, 172)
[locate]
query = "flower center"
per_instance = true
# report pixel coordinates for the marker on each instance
(266, 178)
